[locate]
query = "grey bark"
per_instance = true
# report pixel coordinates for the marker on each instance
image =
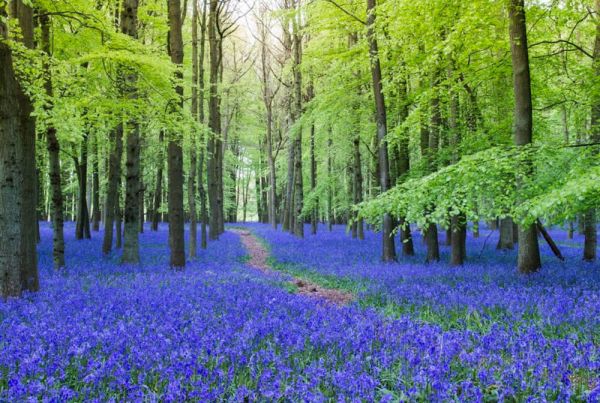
(590, 241)
(112, 192)
(54, 170)
(529, 252)
(214, 148)
(389, 249)
(175, 151)
(128, 78)
(193, 160)
(156, 214)
(18, 257)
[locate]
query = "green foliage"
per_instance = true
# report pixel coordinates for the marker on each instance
(496, 183)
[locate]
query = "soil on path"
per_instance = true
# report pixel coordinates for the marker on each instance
(259, 260)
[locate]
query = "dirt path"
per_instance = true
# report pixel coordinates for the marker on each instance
(259, 260)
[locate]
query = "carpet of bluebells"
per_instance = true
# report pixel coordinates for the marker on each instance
(223, 331)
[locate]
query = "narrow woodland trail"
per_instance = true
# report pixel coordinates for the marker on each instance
(259, 260)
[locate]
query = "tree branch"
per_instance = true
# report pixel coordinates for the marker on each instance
(582, 50)
(348, 13)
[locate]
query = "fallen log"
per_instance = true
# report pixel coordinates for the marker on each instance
(549, 241)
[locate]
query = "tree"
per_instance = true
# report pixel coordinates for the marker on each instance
(590, 232)
(133, 186)
(111, 205)
(193, 159)
(529, 253)
(18, 258)
(175, 151)
(214, 148)
(389, 249)
(53, 147)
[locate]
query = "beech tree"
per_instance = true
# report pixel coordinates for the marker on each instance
(175, 150)
(18, 258)
(529, 252)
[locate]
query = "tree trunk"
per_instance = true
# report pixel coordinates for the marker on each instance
(590, 243)
(458, 222)
(529, 252)
(403, 164)
(175, 152)
(570, 230)
(112, 192)
(357, 185)
(289, 205)
(313, 181)
(389, 249)
(119, 211)
(201, 159)
(192, 173)
(96, 212)
(29, 278)
(590, 236)
(53, 147)
(131, 247)
(268, 97)
(298, 188)
(431, 230)
(329, 183)
(214, 123)
(142, 209)
(159, 184)
(82, 229)
(18, 257)
(458, 252)
(505, 240)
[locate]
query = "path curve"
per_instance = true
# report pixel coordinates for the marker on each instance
(259, 260)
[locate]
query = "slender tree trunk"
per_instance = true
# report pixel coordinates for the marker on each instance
(131, 247)
(313, 181)
(142, 209)
(112, 192)
(268, 96)
(214, 123)
(175, 152)
(389, 249)
(434, 145)
(201, 158)
(53, 147)
(159, 185)
(529, 252)
(192, 173)
(272, 172)
(82, 229)
(289, 205)
(403, 163)
(96, 212)
(458, 222)
(298, 176)
(298, 189)
(119, 213)
(329, 183)
(358, 190)
(570, 230)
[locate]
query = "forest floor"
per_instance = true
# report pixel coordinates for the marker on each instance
(242, 323)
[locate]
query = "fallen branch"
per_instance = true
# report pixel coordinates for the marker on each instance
(549, 241)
